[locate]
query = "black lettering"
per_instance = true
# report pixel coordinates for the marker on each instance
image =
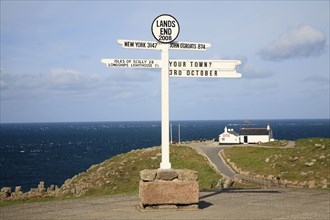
(167, 23)
(128, 44)
(173, 23)
(140, 44)
(174, 45)
(165, 31)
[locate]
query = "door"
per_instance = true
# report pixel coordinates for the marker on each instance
(245, 139)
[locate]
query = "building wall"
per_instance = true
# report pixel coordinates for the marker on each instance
(255, 138)
(227, 138)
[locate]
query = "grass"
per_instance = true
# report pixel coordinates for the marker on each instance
(276, 143)
(26, 200)
(120, 174)
(308, 161)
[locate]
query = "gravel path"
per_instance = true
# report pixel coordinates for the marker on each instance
(211, 149)
(231, 204)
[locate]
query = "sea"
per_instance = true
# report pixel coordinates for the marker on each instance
(54, 152)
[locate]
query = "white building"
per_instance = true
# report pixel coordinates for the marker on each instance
(246, 136)
(229, 136)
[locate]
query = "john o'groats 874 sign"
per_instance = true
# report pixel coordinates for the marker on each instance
(165, 28)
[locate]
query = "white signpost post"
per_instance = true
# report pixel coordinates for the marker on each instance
(165, 29)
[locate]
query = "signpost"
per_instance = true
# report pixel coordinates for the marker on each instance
(165, 29)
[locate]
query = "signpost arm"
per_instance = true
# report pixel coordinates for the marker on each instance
(165, 163)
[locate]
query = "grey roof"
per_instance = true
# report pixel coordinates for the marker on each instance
(233, 132)
(254, 131)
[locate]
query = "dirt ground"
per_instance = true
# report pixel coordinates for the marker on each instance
(227, 204)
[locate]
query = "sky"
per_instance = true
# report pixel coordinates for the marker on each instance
(51, 68)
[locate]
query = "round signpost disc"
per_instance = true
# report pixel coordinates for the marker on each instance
(165, 28)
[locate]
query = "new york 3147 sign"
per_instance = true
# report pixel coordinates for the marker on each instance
(165, 28)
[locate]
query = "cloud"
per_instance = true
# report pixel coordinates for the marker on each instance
(297, 42)
(60, 78)
(9, 81)
(251, 71)
(56, 80)
(3, 83)
(319, 79)
(72, 83)
(129, 76)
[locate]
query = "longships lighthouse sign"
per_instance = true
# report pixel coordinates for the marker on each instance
(165, 29)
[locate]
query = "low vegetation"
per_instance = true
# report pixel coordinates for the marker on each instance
(120, 174)
(307, 161)
(277, 143)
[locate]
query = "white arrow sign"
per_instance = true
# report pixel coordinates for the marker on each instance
(225, 65)
(183, 68)
(189, 46)
(152, 45)
(206, 73)
(204, 68)
(140, 44)
(132, 63)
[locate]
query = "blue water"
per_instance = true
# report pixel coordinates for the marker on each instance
(54, 152)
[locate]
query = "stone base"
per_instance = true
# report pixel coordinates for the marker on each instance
(192, 207)
(168, 189)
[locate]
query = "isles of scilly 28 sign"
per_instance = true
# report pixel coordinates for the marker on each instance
(165, 28)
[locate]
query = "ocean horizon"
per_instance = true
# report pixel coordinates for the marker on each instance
(55, 151)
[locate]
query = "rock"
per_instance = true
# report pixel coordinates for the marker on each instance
(270, 177)
(228, 183)
(18, 189)
(303, 184)
(267, 160)
(169, 192)
(322, 157)
(41, 186)
(293, 159)
(6, 189)
(5, 192)
(168, 174)
(100, 169)
(311, 184)
(51, 188)
(148, 175)
(303, 173)
(187, 175)
(309, 164)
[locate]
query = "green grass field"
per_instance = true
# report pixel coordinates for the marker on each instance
(120, 174)
(308, 161)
